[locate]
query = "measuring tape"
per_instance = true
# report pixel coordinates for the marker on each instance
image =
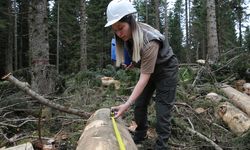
(117, 133)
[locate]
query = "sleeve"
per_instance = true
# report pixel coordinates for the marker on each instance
(149, 56)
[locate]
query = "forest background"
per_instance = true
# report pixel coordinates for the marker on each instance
(62, 49)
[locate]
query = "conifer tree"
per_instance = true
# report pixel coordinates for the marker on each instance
(98, 37)
(175, 31)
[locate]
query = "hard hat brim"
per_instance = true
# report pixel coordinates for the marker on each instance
(109, 23)
(112, 22)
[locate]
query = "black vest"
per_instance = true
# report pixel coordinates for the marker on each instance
(150, 34)
(166, 64)
(165, 51)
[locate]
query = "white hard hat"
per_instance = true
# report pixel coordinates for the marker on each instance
(118, 9)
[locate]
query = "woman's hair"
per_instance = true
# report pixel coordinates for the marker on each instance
(137, 36)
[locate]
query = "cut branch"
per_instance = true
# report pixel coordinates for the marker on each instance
(216, 147)
(201, 136)
(40, 99)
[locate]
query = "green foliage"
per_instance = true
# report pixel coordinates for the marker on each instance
(90, 76)
(242, 142)
(198, 29)
(69, 35)
(186, 75)
(241, 64)
(146, 11)
(247, 39)
(226, 25)
(175, 31)
(98, 37)
(109, 71)
(3, 24)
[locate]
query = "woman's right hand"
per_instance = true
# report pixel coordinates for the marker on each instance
(119, 110)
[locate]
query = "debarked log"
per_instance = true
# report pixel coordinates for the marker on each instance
(238, 98)
(99, 133)
(237, 121)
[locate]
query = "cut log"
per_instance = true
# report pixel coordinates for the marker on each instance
(99, 133)
(237, 121)
(214, 97)
(107, 81)
(239, 85)
(246, 87)
(239, 99)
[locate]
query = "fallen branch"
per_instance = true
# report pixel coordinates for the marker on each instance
(217, 147)
(40, 99)
(16, 126)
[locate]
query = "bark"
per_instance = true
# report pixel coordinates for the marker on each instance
(40, 99)
(157, 17)
(212, 43)
(187, 31)
(83, 39)
(99, 133)
(239, 99)
(42, 72)
(166, 19)
(57, 36)
(15, 35)
(9, 51)
(147, 1)
(237, 120)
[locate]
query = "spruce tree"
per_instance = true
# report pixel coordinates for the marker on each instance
(175, 31)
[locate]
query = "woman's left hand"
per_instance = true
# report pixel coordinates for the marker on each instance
(127, 67)
(119, 110)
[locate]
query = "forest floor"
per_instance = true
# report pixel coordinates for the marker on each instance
(22, 119)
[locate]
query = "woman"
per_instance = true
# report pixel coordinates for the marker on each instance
(158, 70)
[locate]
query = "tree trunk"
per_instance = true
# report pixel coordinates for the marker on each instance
(166, 19)
(147, 21)
(15, 36)
(83, 43)
(57, 37)
(43, 75)
(187, 32)
(239, 99)
(157, 18)
(99, 133)
(24, 58)
(9, 50)
(237, 120)
(212, 43)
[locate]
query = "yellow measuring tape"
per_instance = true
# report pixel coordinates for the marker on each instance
(117, 133)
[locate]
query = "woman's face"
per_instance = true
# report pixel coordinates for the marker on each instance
(122, 30)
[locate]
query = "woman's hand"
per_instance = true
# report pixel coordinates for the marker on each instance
(126, 67)
(119, 110)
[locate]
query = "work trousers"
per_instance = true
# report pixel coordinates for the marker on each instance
(165, 89)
